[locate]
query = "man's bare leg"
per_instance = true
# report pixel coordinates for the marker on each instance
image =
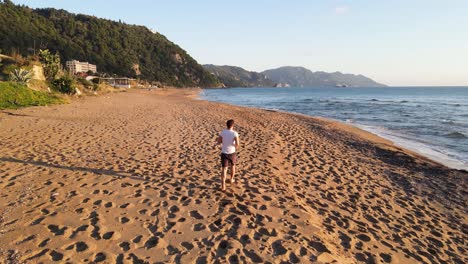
(233, 172)
(223, 178)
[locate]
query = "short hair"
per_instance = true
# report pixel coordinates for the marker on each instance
(230, 123)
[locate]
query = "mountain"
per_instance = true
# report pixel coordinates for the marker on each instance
(232, 76)
(115, 47)
(302, 77)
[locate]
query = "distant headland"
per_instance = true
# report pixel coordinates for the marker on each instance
(288, 76)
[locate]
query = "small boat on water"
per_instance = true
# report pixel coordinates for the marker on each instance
(342, 85)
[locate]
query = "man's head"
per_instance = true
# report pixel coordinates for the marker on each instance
(230, 123)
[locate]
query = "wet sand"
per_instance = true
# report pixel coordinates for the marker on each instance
(134, 177)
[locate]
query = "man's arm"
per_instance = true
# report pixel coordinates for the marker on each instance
(236, 142)
(219, 140)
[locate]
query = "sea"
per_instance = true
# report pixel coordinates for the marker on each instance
(432, 121)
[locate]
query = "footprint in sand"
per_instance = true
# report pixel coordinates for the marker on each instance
(37, 221)
(56, 256)
(57, 230)
(363, 237)
(143, 211)
(125, 205)
(81, 246)
(278, 248)
(187, 245)
(108, 235)
(151, 242)
(100, 257)
(125, 246)
(199, 227)
(196, 215)
(124, 220)
(137, 239)
(44, 242)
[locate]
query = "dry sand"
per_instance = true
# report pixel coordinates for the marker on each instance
(134, 177)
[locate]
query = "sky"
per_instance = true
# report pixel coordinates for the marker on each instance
(395, 42)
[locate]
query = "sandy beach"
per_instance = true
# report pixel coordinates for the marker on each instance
(134, 178)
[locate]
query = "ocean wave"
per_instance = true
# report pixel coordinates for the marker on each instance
(433, 125)
(455, 135)
(389, 102)
(445, 156)
(447, 121)
(452, 122)
(453, 104)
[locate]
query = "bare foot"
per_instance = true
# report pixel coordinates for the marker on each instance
(233, 180)
(223, 188)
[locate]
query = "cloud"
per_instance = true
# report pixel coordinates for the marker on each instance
(341, 10)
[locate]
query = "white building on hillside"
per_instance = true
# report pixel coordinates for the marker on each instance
(75, 67)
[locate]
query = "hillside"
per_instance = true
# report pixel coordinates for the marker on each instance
(115, 47)
(302, 77)
(14, 95)
(232, 76)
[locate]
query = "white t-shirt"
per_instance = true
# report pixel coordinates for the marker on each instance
(228, 141)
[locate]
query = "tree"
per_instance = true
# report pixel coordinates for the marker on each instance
(114, 47)
(51, 64)
(64, 84)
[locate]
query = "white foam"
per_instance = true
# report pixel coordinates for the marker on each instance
(440, 155)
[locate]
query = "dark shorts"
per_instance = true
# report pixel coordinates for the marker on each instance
(228, 159)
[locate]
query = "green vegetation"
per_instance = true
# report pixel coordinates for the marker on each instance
(64, 84)
(7, 69)
(50, 63)
(115, 47)
(88, 84)
(14, 95)
(21, 76)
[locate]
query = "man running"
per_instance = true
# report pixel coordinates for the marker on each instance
(230, 140)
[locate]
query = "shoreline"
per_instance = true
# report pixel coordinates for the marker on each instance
(123, 176)
(430, 153)
(427, 152)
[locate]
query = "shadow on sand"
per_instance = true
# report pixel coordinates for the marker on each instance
(11, 114)
(117, 174)
(120, 174)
